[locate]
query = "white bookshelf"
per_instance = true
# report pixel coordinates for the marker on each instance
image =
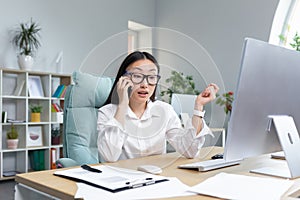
(16, 104)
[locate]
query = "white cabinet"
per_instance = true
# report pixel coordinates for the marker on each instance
(18, 90)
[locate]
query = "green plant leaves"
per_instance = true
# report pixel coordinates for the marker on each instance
(13, 133)
(180, 84)
(225, 100)
(27, 38)
(296, 44)
(36, 108)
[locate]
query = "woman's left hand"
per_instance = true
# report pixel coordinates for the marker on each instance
(206, 96)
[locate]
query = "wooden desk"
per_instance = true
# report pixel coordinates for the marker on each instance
(62, 188)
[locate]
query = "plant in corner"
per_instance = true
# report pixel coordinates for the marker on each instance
(12, 137)
(27, 40)
(180, 84)
(36, 113)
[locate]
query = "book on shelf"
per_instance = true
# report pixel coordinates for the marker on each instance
(53, 157)
(55, 94)
(60, 91)
(55, 107)
(63, 92)
(37, 160)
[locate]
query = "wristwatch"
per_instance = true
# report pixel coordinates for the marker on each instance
(199, 113)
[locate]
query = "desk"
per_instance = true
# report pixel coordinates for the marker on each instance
(62, 188)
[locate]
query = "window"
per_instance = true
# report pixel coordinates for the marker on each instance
(286, 23)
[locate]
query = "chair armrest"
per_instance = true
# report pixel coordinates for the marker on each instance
(65, 162)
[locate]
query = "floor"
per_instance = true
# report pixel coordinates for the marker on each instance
(7, 189)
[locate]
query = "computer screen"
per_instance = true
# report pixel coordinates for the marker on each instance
(268, 84)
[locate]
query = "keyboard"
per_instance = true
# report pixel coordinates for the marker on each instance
(210, 164)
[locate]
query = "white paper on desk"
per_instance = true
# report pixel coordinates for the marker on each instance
(234, 186)
(171, 188)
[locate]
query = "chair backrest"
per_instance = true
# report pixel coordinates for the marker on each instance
(82, 101)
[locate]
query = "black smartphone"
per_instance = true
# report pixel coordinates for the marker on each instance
(129, 92)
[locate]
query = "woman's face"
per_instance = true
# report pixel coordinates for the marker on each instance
(142, 91)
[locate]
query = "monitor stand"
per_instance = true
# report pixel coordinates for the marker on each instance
(290, 142)
(271, 171)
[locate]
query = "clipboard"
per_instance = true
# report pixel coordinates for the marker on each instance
(112, 179)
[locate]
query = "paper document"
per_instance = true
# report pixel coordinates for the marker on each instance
(167, 189)
(233, 186)
(113, 179)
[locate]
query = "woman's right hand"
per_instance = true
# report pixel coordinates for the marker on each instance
(122, 89)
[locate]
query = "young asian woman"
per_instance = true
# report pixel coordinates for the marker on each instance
(133, 124)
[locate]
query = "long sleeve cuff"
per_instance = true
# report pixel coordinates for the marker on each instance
(204, 131)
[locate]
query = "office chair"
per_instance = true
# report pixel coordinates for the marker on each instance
(82, 100)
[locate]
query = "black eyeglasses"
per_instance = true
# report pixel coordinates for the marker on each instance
(137, 78)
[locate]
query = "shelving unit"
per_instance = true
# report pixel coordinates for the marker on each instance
(17, 105)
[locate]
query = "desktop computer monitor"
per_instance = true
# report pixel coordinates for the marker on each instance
(268, 89)
(268, 85)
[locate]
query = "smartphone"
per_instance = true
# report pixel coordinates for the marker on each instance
(129, 92)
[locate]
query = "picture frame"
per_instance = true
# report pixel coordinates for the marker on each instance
(35, 87)
(19, 88)
(35, 136)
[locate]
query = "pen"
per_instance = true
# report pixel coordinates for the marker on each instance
(140, 182)
(91, 169)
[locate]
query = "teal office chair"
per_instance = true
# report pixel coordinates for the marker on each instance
(82, 101)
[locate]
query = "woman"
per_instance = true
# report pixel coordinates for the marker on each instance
(132, 124)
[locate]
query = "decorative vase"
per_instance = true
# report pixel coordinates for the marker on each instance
(55, 140)
(25, 62)
(12, 143)
(35, 117)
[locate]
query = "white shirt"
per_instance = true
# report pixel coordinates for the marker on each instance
(147, 135)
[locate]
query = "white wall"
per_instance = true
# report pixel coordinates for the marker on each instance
(219, 26)
(74, 26)
(209, 40)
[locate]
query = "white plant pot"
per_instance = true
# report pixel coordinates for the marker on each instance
(12, 143)
(25, 62)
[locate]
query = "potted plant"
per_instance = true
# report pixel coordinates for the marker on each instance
(27, 40)
(12, 137)
(36, 113)
(225, 100)
(55, 136)
(180, 84)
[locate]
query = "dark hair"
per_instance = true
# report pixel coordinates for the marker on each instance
(131, 58)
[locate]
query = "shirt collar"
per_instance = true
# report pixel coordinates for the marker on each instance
(149, 112)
